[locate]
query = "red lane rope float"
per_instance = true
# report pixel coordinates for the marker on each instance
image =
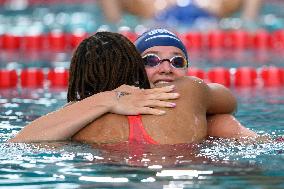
(272, 76)
(58, 77)
(51, 2)
(196, 72)
(192, 40)
(130, 35)
(57, 41)
(32, 78)
(11, 42)
(216, 39)
(245, 77)
(33, 42)
(76, 38)
(262, 40)
(219, 75)
(230, 77)
(277, 39)
(8, 78)
(238, 39)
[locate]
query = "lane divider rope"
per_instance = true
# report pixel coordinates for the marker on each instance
(266, 76)
(233, 39)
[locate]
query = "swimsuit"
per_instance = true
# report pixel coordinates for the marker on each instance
(187, 15)
(137, 133)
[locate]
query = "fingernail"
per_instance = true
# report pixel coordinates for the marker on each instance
(173, 105)
(176, 94)
(162, 112)
(171, 86)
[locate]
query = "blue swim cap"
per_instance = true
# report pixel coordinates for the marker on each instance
(159, 37)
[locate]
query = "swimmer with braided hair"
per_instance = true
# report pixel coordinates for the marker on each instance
(104, 62)
(104, 68)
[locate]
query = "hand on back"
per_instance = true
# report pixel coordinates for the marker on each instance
(133, 101)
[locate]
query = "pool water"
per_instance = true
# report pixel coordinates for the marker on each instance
(215, 163)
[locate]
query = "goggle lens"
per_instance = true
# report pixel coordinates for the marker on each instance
(178, 62)
(153, 60)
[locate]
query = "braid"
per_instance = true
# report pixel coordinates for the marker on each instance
(103, 62)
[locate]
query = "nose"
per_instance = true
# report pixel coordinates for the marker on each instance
(165, 67)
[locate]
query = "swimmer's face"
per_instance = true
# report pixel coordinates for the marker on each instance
(164, 72)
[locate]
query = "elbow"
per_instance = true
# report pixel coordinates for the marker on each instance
(221, 101)
(233, 105)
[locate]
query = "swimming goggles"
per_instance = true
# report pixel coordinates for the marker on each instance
(153, 60)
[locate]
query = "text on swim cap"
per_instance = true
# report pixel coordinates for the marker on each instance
(160, 31)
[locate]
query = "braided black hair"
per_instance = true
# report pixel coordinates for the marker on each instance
(103, 62)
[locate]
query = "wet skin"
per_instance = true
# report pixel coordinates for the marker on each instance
(186, 123)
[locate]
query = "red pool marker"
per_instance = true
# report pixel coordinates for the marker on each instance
(11, 42)
(1, 41)
(33, 42)
(216, 39)
(196, 72)
(57, 41)
(132, 36)
(219, 75)
(239, 39)
(262, 40)
(58, 77)
(272, 76)
(192, 40)
(277, 39)
(8, 78)
(282, 75)
(32, 77)
(245, 77)
(76, 38)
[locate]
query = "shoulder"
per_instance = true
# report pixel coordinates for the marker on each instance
(69, 103)
(188, 79)
(190, 83)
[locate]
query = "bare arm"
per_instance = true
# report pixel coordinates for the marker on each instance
(111, 9)
(251, 9)
(221, 123)
(141, 8)
(65, 122)
(220, 100)
(114, 9)
(227, 126)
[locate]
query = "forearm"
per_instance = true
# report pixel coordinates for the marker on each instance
(111, 10)
(141, 8)
(251, 9)
(227, 126)
(63, 123)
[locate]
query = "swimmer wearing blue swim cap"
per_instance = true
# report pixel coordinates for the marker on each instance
(159, 37)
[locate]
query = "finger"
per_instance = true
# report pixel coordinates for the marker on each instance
(160, 89)
(152, 111)
(162, 96)
(159, 103)
(127, 88)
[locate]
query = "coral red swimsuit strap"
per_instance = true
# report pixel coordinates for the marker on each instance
(137, 133)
